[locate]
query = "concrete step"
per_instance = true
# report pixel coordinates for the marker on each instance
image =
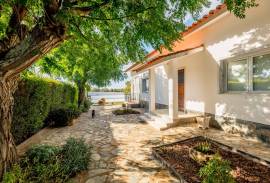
(184, 122)
(163, 122)
(155, 121)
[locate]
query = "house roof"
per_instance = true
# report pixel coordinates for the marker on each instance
(212, 14)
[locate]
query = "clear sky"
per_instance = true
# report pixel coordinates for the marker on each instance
(189, 21)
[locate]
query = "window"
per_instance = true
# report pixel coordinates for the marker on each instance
(261, 73)
(237, 76)
(250, 74)
(145, 85)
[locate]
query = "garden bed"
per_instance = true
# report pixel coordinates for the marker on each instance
(125, 112)
(246, 168)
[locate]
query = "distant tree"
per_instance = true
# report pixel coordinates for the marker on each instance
(127, 89)
(31, 28)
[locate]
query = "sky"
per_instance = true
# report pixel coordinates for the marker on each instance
(189, 21)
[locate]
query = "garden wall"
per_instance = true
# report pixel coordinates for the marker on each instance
(34, 99)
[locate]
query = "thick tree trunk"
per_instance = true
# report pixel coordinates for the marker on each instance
(81, 95)
(8, 153)
(17, 59)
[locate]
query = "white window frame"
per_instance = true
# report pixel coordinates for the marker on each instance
(249, 58)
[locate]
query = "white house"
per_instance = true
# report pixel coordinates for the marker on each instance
(220, 68)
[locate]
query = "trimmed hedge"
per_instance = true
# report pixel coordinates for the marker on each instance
(34, 99)
(61, 117)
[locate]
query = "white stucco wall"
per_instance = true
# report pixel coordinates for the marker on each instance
(137, 86)
(161, 85)
(229, 37)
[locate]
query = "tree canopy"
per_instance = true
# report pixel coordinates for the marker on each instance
(127, 24)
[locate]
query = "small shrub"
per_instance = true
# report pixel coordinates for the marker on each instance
(216, 170)
(61, 117)
(45, 163)
(102, 101)
(50, 164)
(42, 153)
(76, 156)
(86, 105)
(16, 175)
(203, 147)
(125, 111)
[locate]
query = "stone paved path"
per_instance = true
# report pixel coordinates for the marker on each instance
(122, 147)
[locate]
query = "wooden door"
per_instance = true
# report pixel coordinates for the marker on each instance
(181, 90)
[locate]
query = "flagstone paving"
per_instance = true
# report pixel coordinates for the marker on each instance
(121, 146)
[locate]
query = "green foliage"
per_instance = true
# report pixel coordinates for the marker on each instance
(61, 117)
(86, 105)
(50, 164)
(203, 147)
(16, 175)
(239, 7)
(216, 170)
(42, 153)
(76, 156)
(127, 89)
(34, 99)
(125, 111)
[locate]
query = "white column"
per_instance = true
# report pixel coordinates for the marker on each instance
(172, 92)
(152, 90)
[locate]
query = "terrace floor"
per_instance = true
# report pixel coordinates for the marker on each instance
(122, 146)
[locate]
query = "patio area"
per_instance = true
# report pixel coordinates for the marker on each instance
(122, 146)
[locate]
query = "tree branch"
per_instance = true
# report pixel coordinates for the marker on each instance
(121, 17)
(38, 42)
(79, 29)
(84, 11)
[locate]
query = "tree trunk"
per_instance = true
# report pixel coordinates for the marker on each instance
(81, 95)
(8, 153)
(16, 60)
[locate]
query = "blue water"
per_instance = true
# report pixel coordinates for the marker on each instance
(109, 96)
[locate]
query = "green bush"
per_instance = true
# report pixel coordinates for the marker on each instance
(50, 164)
(42, 153)
(34, 99)
(76, 156)
(16, 175)
(216, 170)
(203, 147)
(86, 105)
(61, 117)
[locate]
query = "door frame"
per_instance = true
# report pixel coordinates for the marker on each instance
(178, 69)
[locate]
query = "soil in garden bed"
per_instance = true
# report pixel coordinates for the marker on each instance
(176, 156)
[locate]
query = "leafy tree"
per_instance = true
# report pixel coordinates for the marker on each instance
(31, 28)
(127, 89)
(84, 64)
